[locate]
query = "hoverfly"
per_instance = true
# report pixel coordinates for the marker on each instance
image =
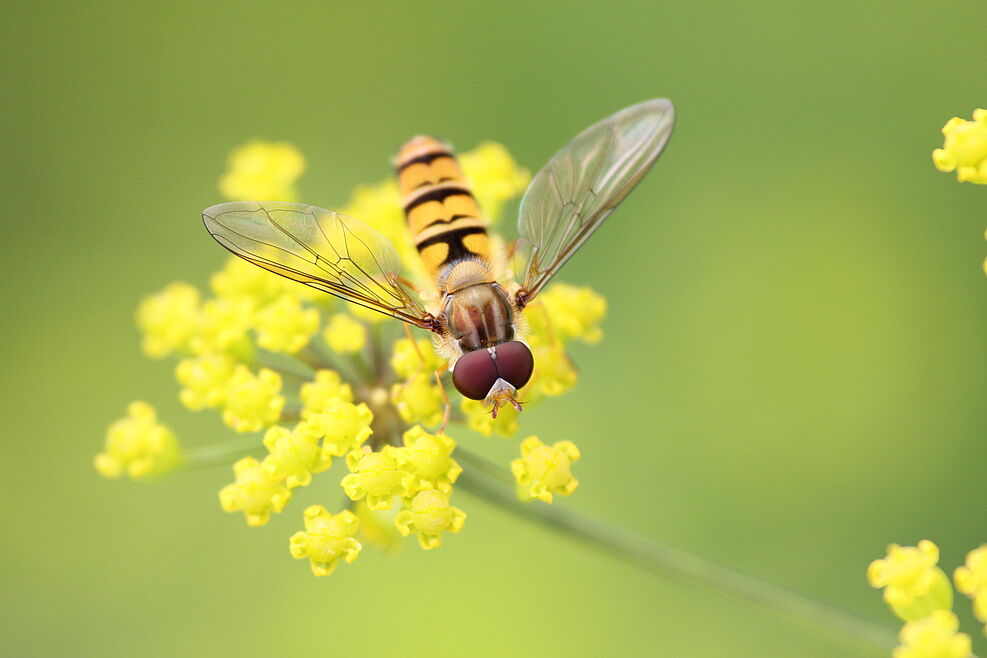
(475, 321)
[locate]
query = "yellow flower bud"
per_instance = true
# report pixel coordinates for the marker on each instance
(376, 476)
(545, 470)
(965, 148)
(933, 636)
(205, 380)
(479, 418)
(254, 493)
(285, 325)
(495, 177)
(409, 358)
(429, 458)
(168, 319)
(253, 402)
(342, 426)
(245, 282)
(344, 334)
(224, 328)
(971, 579)
(262, 171)
(913, 585)
(554, 373)
(293, 456)
(419, 400)
(138, 445)
(323, 390)
(564, 313)
(326, 540)
(429, 515)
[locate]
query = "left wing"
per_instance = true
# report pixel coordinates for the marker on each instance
(320, 248)
(582, 184)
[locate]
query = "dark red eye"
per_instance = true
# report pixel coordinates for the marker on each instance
(475, 374)
(514, 362)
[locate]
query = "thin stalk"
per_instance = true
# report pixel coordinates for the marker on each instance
(218, 453)
(495, 485)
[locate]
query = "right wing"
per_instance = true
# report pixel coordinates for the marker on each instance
(319, 248)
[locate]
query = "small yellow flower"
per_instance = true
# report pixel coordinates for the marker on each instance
(376, 476)
(479, 418)
(324, 389)
(168, 319)
(971, 579)
(262, 171)
(326, 539)
(205, 380)
(379, 205)
(913, 585)
(419, 400)
(430, 515)
(565, 312)
(495, 177)
(138, 445)
(934, 636)
(285, 325)
(255, 492)
(344, 334)
(965, 148)
(293, 456)
(554, 373)
(429, 458)
(224, 328)
(253, 402)
(245, 282)
(545, 470)
(342, 426)
(409, 358)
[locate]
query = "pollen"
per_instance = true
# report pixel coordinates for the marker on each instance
(964, 149)
(430, 515)
(255, 492)
(253, 401)
(261, 170)
(326, 540)
(344, 334)
(544, 470)
(913, 585)
(138, 446)
(168, 319)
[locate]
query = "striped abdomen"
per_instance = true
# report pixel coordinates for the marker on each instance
(444, 218)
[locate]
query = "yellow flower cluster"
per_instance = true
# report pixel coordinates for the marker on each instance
(965, 148)
(138, 445)
(269, 357)
(920, 594)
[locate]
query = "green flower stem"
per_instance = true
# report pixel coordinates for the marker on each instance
(495, 485)
(219, 454)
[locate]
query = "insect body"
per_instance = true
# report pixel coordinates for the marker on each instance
(476, 318)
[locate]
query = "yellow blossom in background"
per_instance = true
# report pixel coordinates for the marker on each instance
(138, 445)
(965, 148)
(324, 389)
(223, 327)
(545, 470)
(409, 358)
(342, 426)
(326, 540)
(554, 373)
(419, 400)
(495, 177)
(253, 402)
(344, 334)
(255, 492)
(285, 325)
(913, 585)
(376, 476)
(429, 458)
(567, 312)
(293, 456)
(245, 282)
(168, 319)
(429, 515)
(262, 171)
(205, 380)
(934, 636)
(971, 579)
(479, 418)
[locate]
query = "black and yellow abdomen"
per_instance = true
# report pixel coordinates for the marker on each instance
(444, 219)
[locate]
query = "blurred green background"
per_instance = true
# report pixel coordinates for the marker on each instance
(793, 370)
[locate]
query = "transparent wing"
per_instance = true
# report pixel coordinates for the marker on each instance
(582, 184)
(320, 248)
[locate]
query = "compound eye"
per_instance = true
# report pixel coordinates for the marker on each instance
(475, 374)
(514, 362)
